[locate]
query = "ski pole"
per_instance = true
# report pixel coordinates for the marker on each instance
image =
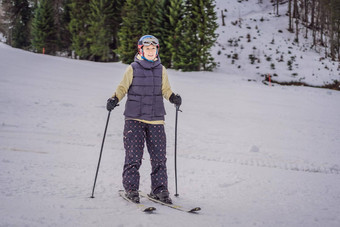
(177, 109)
(100, 156)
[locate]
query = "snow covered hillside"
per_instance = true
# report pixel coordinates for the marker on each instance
(254, 43)
(249, 154)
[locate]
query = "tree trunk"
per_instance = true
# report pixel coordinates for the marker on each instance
(290, 28)
(331, 34)
(306, 18)
(313, 13)
(312, 25)
(321, 21)
(338, 42)
(296, 16)
(295, 7)
(223, 16)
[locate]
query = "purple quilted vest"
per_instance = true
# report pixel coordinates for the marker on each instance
(145, 99)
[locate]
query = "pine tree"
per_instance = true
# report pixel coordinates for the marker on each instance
(173, 34)
(186, 34)
(18, 13)
(79, 28)
(64, 33)
(43, 28)
(139, 18)
(149, 10)
(99, 35)
(115, 23)
(187, 58)
(57, 6)
(206, 33)
(198, 37)
(165, 31)
(130, 30)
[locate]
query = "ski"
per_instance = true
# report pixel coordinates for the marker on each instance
(140, 206)
(174, 206)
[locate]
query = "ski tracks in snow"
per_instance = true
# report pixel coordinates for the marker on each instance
(266, 162)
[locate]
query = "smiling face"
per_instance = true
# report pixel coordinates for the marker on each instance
(150, 52)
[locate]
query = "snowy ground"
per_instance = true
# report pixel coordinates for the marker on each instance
(249, 154)
(253, 29)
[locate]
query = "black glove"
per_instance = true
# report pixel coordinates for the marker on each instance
(175, 99)
(112, 103)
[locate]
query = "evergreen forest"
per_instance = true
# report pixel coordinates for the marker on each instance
(108, 30)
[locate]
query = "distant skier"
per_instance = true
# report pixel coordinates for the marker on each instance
(146, 83)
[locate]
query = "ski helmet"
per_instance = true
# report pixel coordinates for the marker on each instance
(147, 40)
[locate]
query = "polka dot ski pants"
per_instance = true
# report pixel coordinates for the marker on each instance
(135, 135)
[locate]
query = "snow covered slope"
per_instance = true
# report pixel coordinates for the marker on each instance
(249, 154)
(252, 29)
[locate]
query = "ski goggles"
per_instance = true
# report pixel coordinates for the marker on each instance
(150, 40)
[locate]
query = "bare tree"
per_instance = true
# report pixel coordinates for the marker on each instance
(306, 16)
(322, 17)
(223, 16)
(321, 20)
(312, 25)
(296, 16)
(290, 27)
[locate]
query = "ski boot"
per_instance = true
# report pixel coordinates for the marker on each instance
(162, 196)
(133, 195)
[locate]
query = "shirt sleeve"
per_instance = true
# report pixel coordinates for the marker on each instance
(166, 88)
(124, 85)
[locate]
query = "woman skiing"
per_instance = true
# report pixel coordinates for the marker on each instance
(146, 84)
